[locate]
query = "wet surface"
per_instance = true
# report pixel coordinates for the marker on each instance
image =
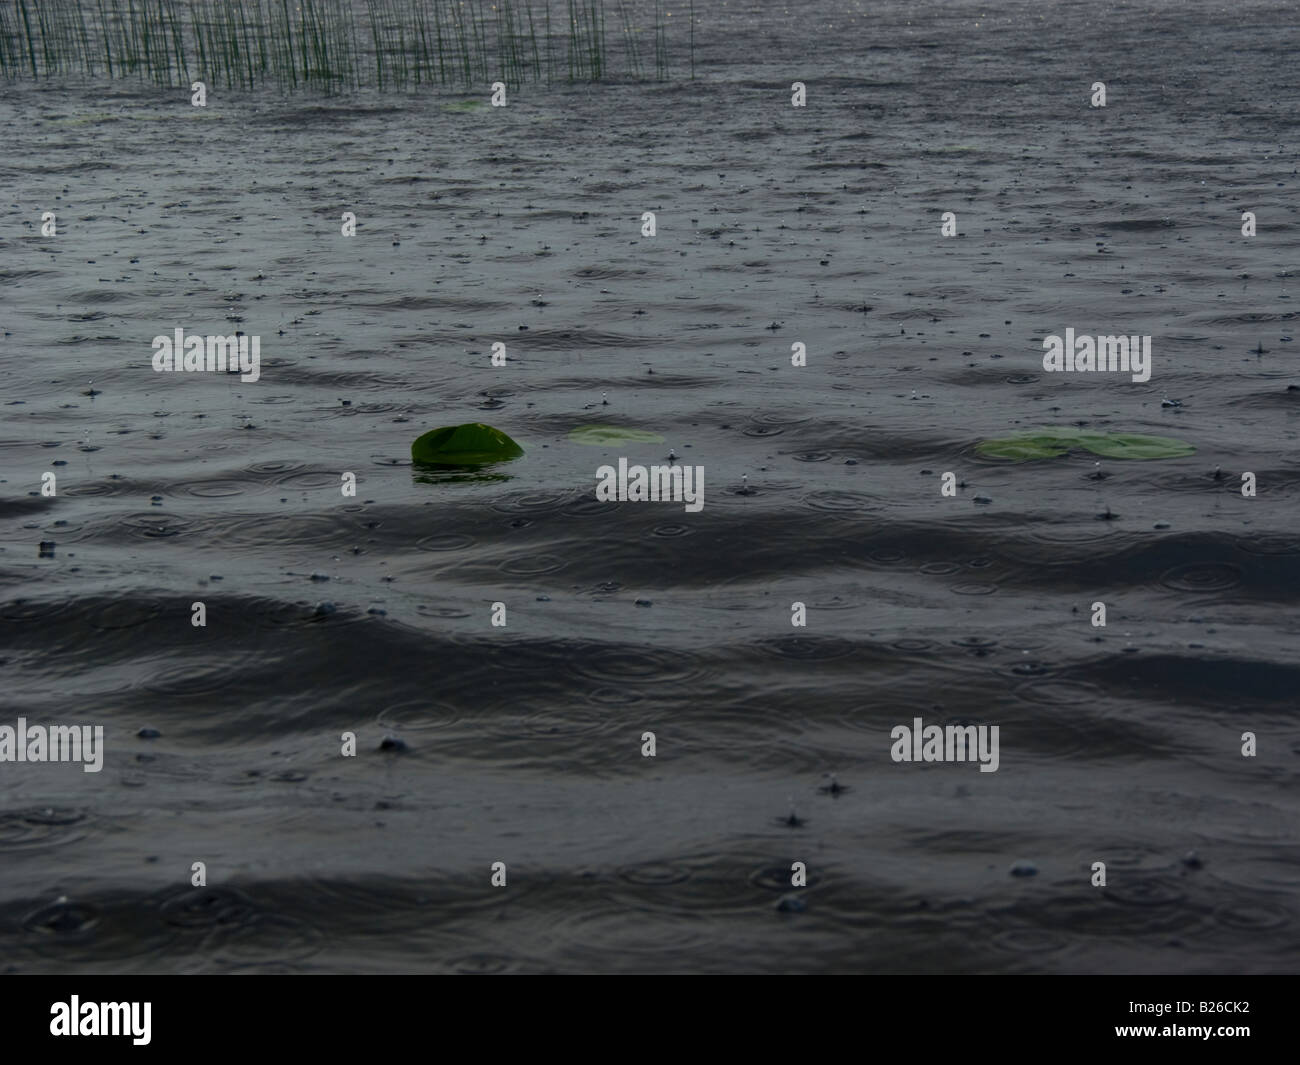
(328, 614)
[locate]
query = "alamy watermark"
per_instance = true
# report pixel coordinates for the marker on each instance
(952, 743)
(679, 484)
(102, 1018)
(58, 743)
(214, 354)
(1128, 354)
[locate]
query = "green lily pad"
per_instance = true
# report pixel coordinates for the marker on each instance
(1133, 446)
(83, 120)
(474, 444)
(604, 435)
(1050, 443)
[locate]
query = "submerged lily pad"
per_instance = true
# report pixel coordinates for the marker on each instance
(474, 444)
(1134, 446)
(83, 120)
(165, 116)
(1049, 443)
(604, 435)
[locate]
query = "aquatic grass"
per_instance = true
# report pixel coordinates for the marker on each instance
(629, 40)
(596, 38)
(598, 15)
(379, 47)
(515, 50)
(439, 43)
(247, 49)
(44, 20)
(550, 46)
(8, 39)
(177, 39)
(420, 34)
(461, 41)
(333, 45)
(661, 45)
(198, 39)
(27, 25)
(532, 40)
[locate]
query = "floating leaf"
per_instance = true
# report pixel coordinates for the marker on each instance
(1050, 443)
(474, 444)
(604, 435)
(83, 120)
(1133, 446)
(1022, 448)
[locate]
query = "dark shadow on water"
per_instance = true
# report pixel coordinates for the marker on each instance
(425, 473)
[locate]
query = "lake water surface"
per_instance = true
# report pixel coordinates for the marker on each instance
(328, 614)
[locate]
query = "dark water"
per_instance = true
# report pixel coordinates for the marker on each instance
(523, 744)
